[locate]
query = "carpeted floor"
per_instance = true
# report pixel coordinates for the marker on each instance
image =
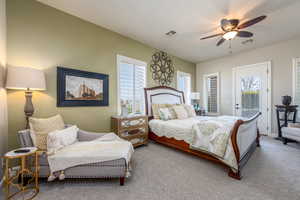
(161, 173)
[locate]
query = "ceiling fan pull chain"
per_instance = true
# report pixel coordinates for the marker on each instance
(230, 50)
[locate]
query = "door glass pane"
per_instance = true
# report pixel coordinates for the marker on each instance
(250, 91)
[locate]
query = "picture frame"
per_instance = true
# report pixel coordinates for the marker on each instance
(81, 88)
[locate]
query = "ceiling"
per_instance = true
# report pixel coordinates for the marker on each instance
(147, 21)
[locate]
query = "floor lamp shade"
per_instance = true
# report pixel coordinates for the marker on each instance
(29, 79)
(25, 78)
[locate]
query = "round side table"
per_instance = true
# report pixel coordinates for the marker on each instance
(17, 180)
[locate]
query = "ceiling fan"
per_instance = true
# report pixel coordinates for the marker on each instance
(232, 29)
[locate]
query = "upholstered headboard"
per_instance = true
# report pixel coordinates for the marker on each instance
(162, 95)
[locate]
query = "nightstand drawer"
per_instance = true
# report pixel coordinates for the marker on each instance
(133, 132)
(136, 141)
(127, 123)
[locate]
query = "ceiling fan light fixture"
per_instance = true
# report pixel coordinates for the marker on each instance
(230, 35)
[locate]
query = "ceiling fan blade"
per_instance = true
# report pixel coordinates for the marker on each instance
(245, 34)
(252, 22)
(220, 42)
(211, 36)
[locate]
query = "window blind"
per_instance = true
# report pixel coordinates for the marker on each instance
(212, 94)
(132, 80)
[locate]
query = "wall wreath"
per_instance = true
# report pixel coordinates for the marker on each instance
(162, 68)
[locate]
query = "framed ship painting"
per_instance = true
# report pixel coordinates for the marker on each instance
(81, 88)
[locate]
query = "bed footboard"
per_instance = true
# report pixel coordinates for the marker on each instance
(245, 138)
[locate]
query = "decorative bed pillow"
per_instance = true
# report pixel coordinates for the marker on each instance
(172, 111)
(180, 111)
(156, 107)
(40, 127)
(165, 114)
(60, 138)
(155, 110)
(190, 110)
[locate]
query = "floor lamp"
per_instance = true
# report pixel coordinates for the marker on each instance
(28, 79)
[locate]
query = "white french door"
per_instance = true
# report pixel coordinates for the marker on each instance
(252, 93)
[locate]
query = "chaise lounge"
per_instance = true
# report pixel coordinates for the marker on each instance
(108, 169)
(292, 132)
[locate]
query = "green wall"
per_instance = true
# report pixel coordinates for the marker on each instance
(42, 37)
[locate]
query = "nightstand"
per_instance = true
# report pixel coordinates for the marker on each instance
(131, 128)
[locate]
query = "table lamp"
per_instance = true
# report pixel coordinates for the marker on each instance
(28, 79)
(195, 97)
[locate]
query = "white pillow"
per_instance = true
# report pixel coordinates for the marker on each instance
(61, 138)
(33, 138)
(190, 110)
(165, 114)
(180, 112)
(69, 135)
(53, 143)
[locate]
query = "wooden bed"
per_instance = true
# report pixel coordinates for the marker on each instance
(244, 136)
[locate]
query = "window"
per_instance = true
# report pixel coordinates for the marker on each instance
(296, 82)
(184, 84)
(211, 93)
(131, 84)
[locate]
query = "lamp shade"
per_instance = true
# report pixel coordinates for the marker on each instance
(23, 78)
(195, 95)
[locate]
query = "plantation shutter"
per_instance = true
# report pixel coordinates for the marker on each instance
(140, 83)
(297, 82)
(212, 94)
(126, 84)
(184, 84)
(131, 86)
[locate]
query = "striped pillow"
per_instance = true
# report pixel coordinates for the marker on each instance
(181, 112)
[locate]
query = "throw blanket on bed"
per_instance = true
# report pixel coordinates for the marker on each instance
(214, 136)
(108, 147)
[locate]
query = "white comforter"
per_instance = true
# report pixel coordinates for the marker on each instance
(106, 148)
(212, 136)
(180, 129)
(183, 130)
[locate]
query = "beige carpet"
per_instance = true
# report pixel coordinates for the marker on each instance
(161, 173)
